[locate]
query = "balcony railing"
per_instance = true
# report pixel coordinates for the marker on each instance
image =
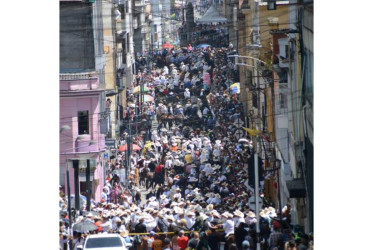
(79, 76)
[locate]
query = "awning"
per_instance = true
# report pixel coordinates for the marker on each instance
(110, 93)
(296, 188)
(212, 16)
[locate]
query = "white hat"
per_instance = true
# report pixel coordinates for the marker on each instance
(203, 216)
(227, 215)
(152, 198)
(216, 166)
(251, 214)
(193, 179)
(190, 213)
(238, 213)
(209, 207)
(170, 217)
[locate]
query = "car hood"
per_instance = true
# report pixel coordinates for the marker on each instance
(106, 248)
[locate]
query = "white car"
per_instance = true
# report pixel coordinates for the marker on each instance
(105, 241)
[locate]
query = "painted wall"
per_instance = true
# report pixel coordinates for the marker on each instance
(70, 148)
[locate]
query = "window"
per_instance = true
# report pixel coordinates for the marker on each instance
(254, 99)
(286, 50)
(283, 101)
(104, 242)
(83, 123)
(121, 8)
(249, 77)
(272, 5)
(124, 54)
(127, 42)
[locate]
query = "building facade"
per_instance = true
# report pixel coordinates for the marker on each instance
(82, 97)
(277, 89)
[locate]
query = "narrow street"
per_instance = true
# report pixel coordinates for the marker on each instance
(179, 127)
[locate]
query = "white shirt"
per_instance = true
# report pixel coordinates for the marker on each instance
(190, 221)
(216, 201)
(177, 195)
(106, 226)
(229, 227)
(188, 191)
(238, 220)
(154, 205)
(168, 163)
(222, 178)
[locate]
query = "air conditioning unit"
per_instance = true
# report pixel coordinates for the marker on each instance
(273, 20)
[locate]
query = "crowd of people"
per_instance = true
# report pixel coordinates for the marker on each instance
(187, 187)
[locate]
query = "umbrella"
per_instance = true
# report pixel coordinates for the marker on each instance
(203, 46)
(148, 98)
(167, 46)
(94, 213)
(84, 227)
(124, 147)
(82, 200)
(235, 88)
(243, 140)
(116, 171)
(137, 89)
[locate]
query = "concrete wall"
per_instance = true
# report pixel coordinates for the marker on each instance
(76, 36)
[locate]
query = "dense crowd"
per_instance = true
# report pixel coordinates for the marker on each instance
(192, 169)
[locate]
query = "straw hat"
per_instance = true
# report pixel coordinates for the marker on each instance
(162, 197)
(227, 215)
(209, 207)
(190, 213)
(238, 213)
(216, 166)
(203, 216)
(251, 214)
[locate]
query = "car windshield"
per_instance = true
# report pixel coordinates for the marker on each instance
(103, 242)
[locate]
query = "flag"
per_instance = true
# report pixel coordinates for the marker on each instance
(252, 132)
(235, 88)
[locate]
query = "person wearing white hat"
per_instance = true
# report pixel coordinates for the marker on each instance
(107, 223)
(190, 220)
(188, 190)
(251, 218)
(229, 225)
(208, 169)
(217, 199)
(187, 93)
(163, 200)
(238, 218)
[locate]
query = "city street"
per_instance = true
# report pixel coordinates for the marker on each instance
(185, 136)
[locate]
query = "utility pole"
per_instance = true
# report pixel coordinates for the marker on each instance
(258, 247)
(88, 187)
(76, 184)
(69, 205)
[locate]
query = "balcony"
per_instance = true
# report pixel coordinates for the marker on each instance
(79, 81)
(86, 145)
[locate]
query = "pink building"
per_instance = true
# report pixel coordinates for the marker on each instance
(80, 138)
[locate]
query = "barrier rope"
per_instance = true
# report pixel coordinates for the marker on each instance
(166, 233)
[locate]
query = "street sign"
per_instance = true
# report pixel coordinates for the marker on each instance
(252, 203)
(110, 142)
(106, 156)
